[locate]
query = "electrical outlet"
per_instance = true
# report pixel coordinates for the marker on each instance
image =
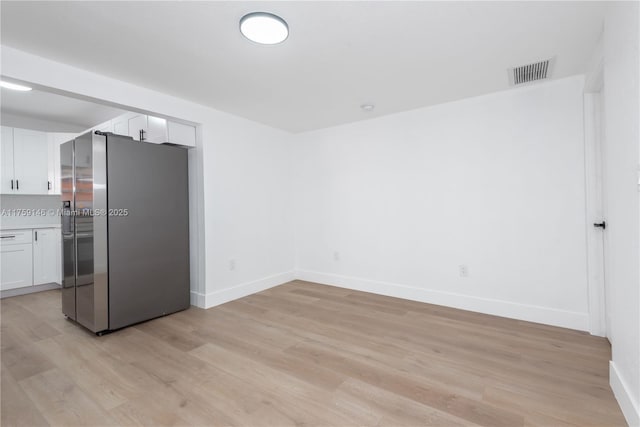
(464, 270)
(232, 264)
(336, 256)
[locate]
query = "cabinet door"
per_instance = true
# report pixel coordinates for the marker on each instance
(51, 164)
(17, 267)
(30, 160)
(55, 140)
(6, 161)
(179, 133)
(120, 126)
(136, 124)
(156, 130)
(46, 255)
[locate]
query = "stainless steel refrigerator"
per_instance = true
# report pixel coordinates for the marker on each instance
(125, 230)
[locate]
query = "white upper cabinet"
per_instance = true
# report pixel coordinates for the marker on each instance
(7, 183)
(156, 130)
(148, 128)
(152, 129)
(120, 125)
(55, 139)
(31, 161)
(28, 151)
(179, 133)
(136, 124)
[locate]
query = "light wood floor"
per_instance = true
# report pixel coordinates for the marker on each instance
(301, 354)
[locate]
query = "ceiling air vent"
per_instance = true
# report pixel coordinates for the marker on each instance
(530, 73)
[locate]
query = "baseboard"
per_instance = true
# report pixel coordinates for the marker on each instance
(531, 313)
(197, 299)
(624, 397)
(29, 290)
(229, 294)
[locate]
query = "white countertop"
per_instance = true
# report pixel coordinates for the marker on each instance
(4, 227)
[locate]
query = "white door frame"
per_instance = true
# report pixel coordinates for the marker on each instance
(594, 203)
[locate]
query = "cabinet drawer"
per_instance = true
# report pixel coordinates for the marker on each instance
(15, 237)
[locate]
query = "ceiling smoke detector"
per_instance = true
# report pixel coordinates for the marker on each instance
(530, 73)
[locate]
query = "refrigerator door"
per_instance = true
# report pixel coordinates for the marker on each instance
(68, 231)
(149, 242)
(91, 232)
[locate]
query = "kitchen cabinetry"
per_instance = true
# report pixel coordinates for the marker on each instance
(148, 128)
(30, 257)
(30, 161)
(25, 162)
(16, 259)
(6, 161)
(155, 129)
(46, 255)
(54, 140)
(178, 133)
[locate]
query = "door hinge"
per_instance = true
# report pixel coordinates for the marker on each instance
(602, 225)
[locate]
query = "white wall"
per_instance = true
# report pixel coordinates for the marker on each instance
(495, 183)
(239, 179)
(25, 122)
(248, 209)
(620, 146)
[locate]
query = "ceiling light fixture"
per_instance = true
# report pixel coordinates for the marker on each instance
(264, 28)
(14, 86)
(367, 107)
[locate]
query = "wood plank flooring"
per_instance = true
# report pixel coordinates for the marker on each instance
(301, 354)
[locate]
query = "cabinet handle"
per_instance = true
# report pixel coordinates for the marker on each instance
(142, 132)
(36, 235)
(48, 185)
(12, 184)
(17, 184)
(7, 237)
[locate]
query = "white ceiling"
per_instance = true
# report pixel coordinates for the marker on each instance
(52, 112)
(339, 55)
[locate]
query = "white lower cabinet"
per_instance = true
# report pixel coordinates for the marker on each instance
(30, 257)
(16, 259)
(46, 255)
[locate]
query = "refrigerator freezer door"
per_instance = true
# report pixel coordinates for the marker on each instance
(68, 231)
(149, 242)
(91, 232)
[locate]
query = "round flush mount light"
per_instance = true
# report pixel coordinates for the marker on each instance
(367, 108)
(264, 28)
(14, 86)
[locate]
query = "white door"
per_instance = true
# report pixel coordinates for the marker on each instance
(31, 161)
(599, 317)
(606, 259)
(46, 255)
(6, 161)
(16, 266)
